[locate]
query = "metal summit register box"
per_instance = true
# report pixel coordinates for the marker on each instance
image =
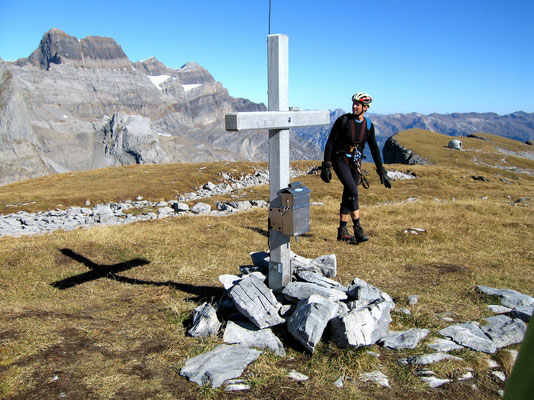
(293, 218)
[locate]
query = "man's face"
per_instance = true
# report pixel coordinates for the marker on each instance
(358, 108)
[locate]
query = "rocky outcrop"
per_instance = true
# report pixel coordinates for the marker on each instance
(394, 153)
(192, 73)
(153, 67)
(57, 47)
(189, 74)
(130, 139)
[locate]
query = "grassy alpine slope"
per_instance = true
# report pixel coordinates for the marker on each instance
(124, 336)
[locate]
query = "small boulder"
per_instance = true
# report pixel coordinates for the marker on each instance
(444, 345)
(325, 265)
(260, 260)
(375, 376)
(413, 299)
(508, 297)
(364, 293)
(210, 186)
(180, 207)
(504, 331)
(223, 363)
(309, 320)
(205, 322)
(425, 359)
(320, 280)
(362, 326)
(165, 211)
(256, 301)
(498, 309)
(339, 382)
(296, 291)
(297, 376)
(523, 312)
(229, 280)
(469, 335)
(408, 339)
(434, 382)
(201, 208)
(249, 335)
(236, 385)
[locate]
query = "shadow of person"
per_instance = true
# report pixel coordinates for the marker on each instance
(97, 271)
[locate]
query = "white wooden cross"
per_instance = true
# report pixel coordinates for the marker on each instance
(277, 120)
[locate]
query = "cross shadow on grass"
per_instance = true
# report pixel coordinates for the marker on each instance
(97, 271)
(261, 231)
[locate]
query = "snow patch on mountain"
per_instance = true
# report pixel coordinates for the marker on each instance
(158, 80)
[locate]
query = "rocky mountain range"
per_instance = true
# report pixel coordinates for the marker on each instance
(518, 125)
(82, 104)
(78, 104)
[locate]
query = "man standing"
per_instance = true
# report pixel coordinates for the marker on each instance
(343, 152)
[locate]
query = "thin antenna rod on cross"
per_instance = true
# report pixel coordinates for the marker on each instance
(269, 17)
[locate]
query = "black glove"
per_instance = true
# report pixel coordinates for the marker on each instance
(326, 174)
(384, 180)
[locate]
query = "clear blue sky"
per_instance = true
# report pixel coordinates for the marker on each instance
(412, 56)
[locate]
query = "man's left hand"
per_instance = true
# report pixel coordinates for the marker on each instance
(384, 180)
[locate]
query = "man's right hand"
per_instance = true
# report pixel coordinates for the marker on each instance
(326, 173)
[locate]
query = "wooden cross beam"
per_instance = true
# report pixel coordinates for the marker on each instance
(274, 119)
(277, 120)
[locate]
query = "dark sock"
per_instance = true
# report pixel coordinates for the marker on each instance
(356, 221)
(342, 224)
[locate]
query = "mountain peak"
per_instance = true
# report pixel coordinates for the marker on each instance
(153, 67)
(58, 47)
(56, 31)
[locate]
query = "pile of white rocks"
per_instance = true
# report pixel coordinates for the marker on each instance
(314, 307)
(119, 213)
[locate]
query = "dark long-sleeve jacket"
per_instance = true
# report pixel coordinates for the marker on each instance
(340, 139)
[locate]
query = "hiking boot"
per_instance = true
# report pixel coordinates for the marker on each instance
(359, 234)
(344, 235)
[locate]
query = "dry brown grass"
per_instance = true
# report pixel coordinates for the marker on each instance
(124, 336)
(477, 155)
(152, 182)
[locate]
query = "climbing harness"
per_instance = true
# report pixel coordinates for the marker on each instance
(353, 158)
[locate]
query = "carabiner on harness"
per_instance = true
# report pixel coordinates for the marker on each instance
(356, 158)
(355, 154)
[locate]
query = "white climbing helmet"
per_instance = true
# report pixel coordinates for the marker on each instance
(363, 98)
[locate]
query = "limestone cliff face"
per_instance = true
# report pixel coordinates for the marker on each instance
(81, 104)
(19, 149)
